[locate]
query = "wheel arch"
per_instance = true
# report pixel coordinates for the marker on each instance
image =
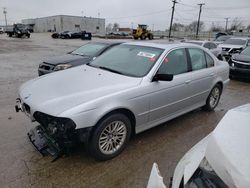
(124, 111)
(220, 84)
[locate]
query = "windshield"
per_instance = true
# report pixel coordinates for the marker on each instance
(130, 60)
(222, 38)
(235, 41)
(20, 26)
(89, 49)
(193, 42)
(246, 51)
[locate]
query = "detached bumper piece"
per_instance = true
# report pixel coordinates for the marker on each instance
(45, 144)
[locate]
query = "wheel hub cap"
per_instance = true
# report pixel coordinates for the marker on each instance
(112, 137)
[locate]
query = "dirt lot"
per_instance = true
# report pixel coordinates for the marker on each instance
(22, 166)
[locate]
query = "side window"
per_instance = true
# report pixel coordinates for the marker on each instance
(210, 61)
(175, 63)
(198, 60)
(207, 45)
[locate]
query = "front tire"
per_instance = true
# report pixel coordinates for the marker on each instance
(213, 98)
(110, 137)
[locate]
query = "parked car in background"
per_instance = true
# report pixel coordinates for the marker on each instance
(71, 35)
(1, 30)
(220, 34)
(119, 33)
(240, 64)
(57, 35)
(79, 56)
(130, 88)
(209, 45)
(222, 39)
(233, 45)
(220, 160)
(17, 30)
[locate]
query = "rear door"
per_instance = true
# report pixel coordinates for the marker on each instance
(203, 75)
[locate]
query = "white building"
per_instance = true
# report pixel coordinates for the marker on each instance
(61, 23)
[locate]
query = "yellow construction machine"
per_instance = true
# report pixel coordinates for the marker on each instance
(142, 33)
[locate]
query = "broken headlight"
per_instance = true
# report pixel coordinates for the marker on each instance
(62, 67)
(205, 177)
(55, 126)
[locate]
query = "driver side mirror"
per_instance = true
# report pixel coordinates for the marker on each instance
(163, 77)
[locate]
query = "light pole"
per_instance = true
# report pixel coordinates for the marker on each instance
(171, 22)
(226, 24)
(198, 24)
(5, 13)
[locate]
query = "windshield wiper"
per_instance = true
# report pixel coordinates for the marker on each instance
(111, 70)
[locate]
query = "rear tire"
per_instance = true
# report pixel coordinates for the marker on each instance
(142, 37)
(110, 137)
(150, 37)
(213, 98)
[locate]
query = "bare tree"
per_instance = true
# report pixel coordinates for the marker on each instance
(115, 27)
(192, 27)
(235, 25)
(216, 28)
(248, 28)
(178, 27)
(109, 27)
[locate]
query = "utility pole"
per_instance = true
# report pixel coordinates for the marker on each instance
(171, 22)
(5, 12)
(198, 24)
(226, 24)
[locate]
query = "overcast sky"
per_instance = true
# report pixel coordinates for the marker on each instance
(155, 13)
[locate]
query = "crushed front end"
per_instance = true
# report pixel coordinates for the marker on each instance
(54, 135)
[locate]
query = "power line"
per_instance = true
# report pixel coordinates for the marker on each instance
(140, 15)
(216, 8)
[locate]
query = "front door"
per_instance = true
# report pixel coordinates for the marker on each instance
(170, 97)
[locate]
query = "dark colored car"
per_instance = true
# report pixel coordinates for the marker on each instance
(71, 35)
(220, 34)
(240, 64)
(79, 56)
(57, 35)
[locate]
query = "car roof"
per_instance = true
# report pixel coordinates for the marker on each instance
(240, 38)
(162, 45)
(107, 42)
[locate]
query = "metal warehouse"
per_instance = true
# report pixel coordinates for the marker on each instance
(61, 23)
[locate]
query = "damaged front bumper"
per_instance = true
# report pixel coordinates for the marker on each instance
(44, 143)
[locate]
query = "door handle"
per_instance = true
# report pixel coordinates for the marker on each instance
(212, 74)
(187, 82)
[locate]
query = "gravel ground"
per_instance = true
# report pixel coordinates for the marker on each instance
(22, 166)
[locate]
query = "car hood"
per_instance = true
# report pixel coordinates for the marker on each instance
(241, 57)
(230, 46)
(68, 58)
(230, 140)
(56, 93)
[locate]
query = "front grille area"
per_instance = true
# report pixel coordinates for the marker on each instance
(46, 66)
(26, 108)
(225, 49)
(242, 66)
